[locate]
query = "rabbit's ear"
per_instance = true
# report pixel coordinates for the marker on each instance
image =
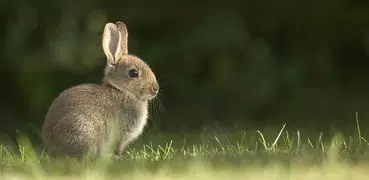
(111, 43)
(124, 36)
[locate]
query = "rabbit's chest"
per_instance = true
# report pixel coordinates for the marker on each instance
(139, 124)
(134, 122)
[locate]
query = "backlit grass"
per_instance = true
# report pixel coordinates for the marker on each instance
(236, 155)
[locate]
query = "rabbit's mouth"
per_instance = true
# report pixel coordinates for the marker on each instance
(146, 95)
(152, 95)
(152, 92)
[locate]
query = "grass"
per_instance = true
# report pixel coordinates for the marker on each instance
(236, 155)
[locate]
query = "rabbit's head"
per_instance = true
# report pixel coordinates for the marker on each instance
(126, 72)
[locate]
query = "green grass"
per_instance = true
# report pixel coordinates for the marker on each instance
(217, 155)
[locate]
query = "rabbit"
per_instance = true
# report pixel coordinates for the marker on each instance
(85, 118)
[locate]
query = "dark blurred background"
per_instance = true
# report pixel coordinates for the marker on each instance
(235, 64)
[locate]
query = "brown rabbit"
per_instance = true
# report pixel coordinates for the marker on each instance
(86, 119)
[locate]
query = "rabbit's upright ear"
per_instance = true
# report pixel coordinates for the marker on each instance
(111, 43)
(124, 37)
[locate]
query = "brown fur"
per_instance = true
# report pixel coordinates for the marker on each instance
(85, 119)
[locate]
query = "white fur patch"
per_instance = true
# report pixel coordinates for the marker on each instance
(141, 123)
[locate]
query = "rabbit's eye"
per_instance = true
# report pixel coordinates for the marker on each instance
(133, 73)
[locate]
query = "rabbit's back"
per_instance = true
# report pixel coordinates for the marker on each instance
(78, 119)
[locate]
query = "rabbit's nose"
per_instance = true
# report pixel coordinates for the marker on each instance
(155, 88)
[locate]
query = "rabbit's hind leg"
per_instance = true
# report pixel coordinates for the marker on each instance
(75, 143)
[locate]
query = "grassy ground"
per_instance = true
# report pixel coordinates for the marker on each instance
(218, 155)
